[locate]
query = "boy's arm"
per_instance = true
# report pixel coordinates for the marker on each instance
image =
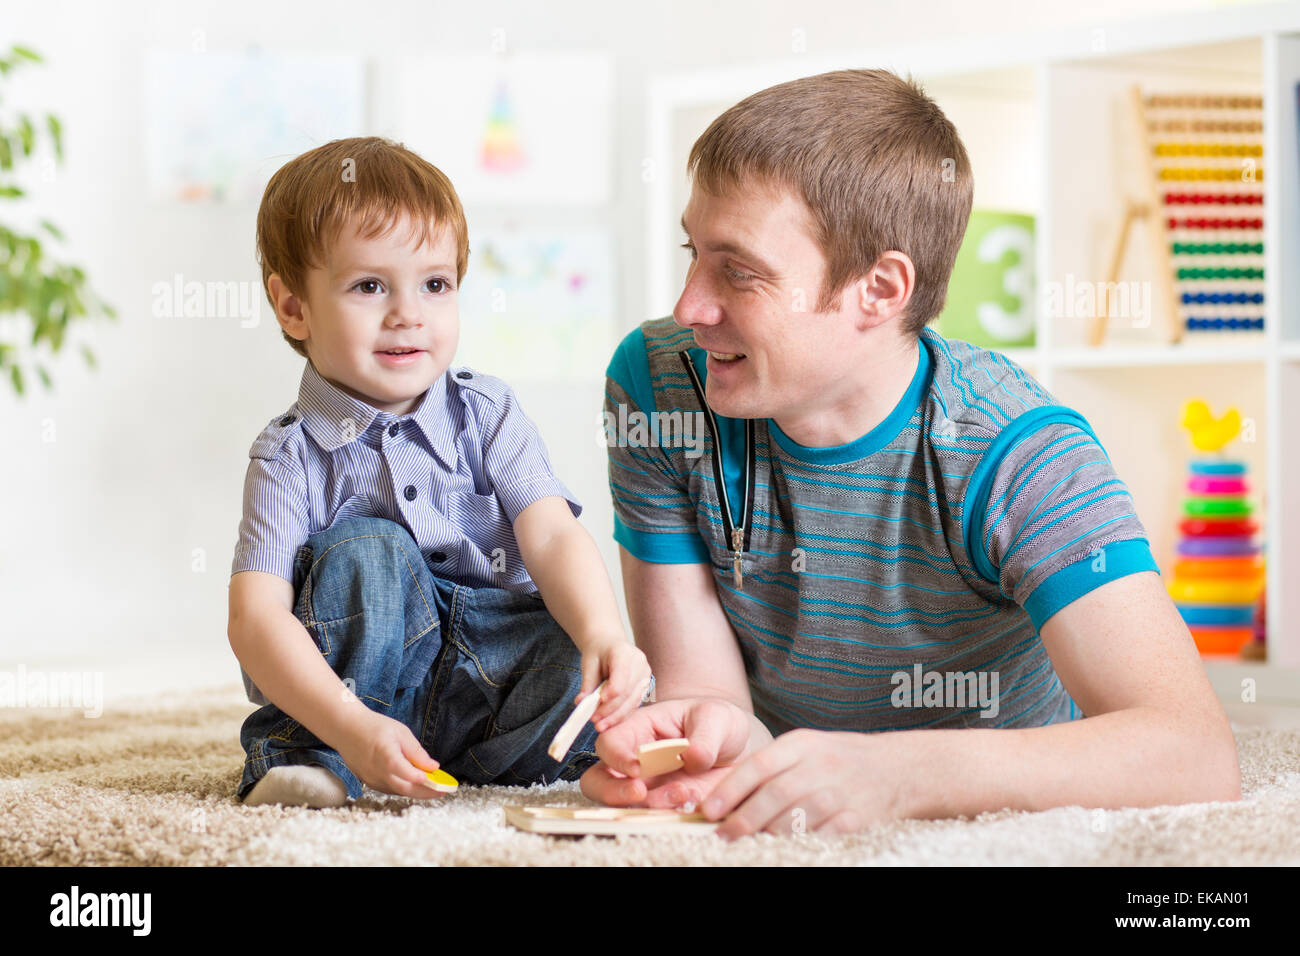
(284, 662)
(564, 563)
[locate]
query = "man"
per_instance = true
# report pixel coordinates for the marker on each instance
(887, 530)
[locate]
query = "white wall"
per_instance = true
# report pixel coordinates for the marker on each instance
(100, 525)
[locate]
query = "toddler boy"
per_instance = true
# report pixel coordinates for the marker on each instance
(410, 577)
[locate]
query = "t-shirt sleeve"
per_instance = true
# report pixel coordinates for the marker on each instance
(276, 517)
(1058, 521)
(654, 516)
(515, 461)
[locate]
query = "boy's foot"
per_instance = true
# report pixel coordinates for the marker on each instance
(299, 785)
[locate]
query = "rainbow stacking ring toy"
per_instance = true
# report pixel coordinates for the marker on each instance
(1219, 573)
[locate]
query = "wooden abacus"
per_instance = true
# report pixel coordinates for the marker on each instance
(1210, 265)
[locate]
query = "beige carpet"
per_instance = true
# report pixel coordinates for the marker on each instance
(153, 784)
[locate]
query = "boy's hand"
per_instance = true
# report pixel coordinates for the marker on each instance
(385, 755)
(626, 673)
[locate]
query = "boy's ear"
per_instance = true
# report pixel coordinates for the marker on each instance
(288, 308)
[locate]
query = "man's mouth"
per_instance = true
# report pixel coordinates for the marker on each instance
(726, 356)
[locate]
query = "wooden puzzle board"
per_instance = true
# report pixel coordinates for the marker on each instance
(605, 821)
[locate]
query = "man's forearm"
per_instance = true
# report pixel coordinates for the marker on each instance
(1138, 757)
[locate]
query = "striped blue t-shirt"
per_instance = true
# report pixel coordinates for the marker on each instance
(455, 472)
(880, 580)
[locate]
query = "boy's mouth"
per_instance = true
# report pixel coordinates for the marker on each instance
(399, 358)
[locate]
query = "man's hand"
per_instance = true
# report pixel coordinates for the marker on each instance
(809, 781)
(719, 733)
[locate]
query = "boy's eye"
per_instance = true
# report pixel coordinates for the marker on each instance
(369, 286)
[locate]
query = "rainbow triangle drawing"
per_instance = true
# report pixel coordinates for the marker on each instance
(502, 151)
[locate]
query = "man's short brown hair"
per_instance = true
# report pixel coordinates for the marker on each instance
(875, 159)
(366, 181)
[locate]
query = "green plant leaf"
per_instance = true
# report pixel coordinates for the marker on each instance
(56, 133)
(50, 294)
(26, 134)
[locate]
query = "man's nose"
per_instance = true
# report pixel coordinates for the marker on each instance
(697, 305)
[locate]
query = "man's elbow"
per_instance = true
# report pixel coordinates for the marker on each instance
(1214, 750)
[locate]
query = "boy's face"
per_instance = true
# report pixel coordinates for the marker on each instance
(753, 283)
(374, 295)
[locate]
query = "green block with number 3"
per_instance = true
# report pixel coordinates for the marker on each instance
(991, 293)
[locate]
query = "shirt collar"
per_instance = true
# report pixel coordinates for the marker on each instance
(333, 418)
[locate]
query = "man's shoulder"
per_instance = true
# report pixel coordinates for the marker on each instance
(279, 435)
(980, 391)
(647, 364)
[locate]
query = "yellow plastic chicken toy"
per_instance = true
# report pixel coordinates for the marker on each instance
(1210, 433)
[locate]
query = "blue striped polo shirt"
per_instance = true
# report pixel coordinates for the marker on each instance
(923, 554)
(455, 472)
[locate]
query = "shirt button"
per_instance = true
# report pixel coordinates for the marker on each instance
(288, 419)
(392, 429)
(410, 492)
(464, 374)
(438, 557)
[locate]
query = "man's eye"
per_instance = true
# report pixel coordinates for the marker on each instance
(738, 276)
(690, 248)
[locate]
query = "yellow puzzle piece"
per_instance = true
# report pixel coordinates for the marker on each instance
(442, 780)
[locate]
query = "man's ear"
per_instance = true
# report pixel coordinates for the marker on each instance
(883, 293)
(290, 311)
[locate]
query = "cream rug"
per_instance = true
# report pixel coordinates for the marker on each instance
(153, 784)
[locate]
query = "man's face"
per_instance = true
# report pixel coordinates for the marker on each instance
(754, 279)
(375, 295)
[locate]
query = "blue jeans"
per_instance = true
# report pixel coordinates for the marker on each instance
(483, 677)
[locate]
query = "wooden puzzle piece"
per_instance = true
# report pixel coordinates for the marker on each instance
(662, 756)
(569, 730)
(442, 781)
(605, 821)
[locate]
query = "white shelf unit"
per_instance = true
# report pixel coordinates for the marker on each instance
(1040, 114)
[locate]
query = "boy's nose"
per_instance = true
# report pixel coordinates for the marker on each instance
(405, 311)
